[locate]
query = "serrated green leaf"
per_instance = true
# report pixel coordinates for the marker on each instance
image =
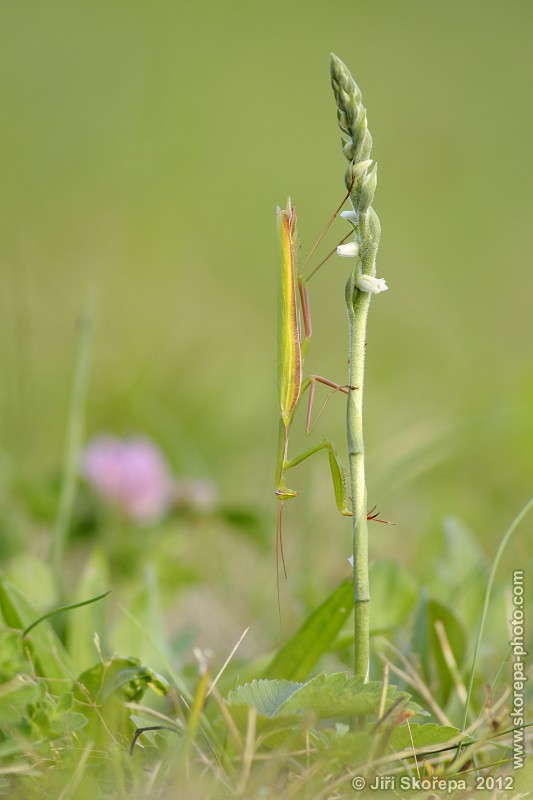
(267, 697)
(264, 695)
(338, 695)
(298, 656)
(406, 736)
(325, 696)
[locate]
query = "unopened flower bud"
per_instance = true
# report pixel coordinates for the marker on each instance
(359, 167)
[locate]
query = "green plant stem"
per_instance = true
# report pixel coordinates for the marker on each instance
(72, 449)
(360, 181)
(357, 317)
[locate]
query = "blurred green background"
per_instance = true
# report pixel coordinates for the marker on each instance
(144, 149)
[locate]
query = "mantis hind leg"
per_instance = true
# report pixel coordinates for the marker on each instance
(283, 493)
(337, 471)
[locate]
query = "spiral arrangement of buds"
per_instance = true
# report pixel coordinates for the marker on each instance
(361, 175)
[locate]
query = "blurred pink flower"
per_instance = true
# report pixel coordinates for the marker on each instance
(130, 473)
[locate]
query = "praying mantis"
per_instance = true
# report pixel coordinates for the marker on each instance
(293, 303)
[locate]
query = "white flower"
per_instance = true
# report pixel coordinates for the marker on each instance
(351, 216)
(349, 250)
(367, 283)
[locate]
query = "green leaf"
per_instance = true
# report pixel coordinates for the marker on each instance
(146, 638)
(36, 576)
(68, 723)
(267, 697)
(49, 655)
(81, 624)
(324, 697)
(102, 692)
(13, 660)
(460, 575)
(125, 674)
(464, 559)
(344, 746)
(16, 695)
(394, 595)
(264, 695)
(11, 748)
(298, 656)
(64, 703)
(427, 645)
(338, 695)
(407, 736)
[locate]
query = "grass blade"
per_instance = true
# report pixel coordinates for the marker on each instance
(296, 658)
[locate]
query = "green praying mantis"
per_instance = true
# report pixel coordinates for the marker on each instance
(293, 304)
